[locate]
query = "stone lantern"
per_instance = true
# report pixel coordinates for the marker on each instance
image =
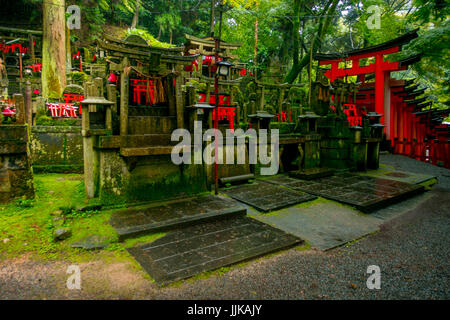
(376, 130)
(373, 117)
(308, 122)
(260, 120)
(357, 133)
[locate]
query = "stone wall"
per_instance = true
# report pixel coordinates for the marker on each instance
(56, 149)
(16, 178)
(148, 178)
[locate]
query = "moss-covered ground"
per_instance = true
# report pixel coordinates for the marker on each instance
(27, 226)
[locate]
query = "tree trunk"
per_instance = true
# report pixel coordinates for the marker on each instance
(53, 48)
(256, 45)
(136, 17)
(211, 25)
(159, 33)
(324, 23)
(68, 52)
(171, 36)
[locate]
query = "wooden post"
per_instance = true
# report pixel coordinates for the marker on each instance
(171, 96)
(280, 103)
(28, 104)
(208, 93)
(31, 41)
(124, 87)
(237, 118)
(379, 87)
(179, 99)
(261, 102)
(20, 108)
(20, 65)
(111, 93)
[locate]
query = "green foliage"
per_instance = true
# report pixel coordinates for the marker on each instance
(79, 77)
(148, 37)
(44, 120)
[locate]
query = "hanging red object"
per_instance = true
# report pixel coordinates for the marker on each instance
(7, 112)
(112, 77)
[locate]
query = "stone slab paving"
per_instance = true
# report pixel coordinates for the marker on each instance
(325, 224)
(186, 252)
(312, 173)
(154, 218)
(388, 172)
(267, 197)
(365, 193)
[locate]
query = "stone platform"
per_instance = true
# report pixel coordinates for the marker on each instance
(155, 218)
(408, 177)
(203, 247)
(365, 193)
(312, 173)
(324, 224)
(266, 197)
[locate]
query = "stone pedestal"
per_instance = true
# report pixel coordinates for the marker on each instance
(16, 178)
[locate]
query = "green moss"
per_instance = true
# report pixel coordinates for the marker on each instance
(149, 38)
(58, 168)
(78, 78)
(29, 227)
(142, 239)
(45, 120)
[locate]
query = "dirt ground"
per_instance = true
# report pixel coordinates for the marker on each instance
(411, 250)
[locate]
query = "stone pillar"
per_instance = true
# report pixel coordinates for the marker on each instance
(111, 94)
(28, 104)
(124, 92)
(20, 108)
(88, 147)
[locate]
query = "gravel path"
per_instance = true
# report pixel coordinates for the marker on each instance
(411, 251)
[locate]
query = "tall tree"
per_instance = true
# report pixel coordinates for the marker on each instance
(53, 48)
(325, 18)
(212, 22)
(135, 21)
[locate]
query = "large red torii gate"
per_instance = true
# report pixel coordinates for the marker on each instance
(380, 67)
(413, 127)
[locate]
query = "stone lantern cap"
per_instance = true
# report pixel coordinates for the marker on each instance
(203, 106)
(261, 115)
(97, 100)
(356, 128)
(377, 125)
(225, 64)
(309, 115)
(373, 115)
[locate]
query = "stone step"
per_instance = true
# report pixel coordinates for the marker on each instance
(203, 247)
(153, 218)
(266, 197)
(365, 193)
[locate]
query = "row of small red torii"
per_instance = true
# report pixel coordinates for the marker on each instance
(66, 109)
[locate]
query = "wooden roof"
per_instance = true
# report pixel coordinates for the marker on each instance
(210, 41)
